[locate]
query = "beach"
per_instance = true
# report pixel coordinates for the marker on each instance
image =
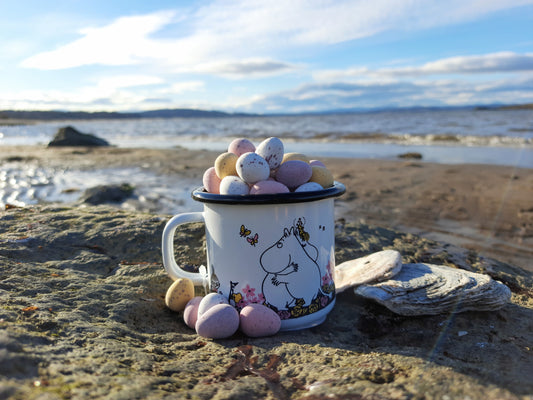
(485, 208)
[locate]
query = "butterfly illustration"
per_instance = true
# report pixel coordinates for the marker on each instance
(244, 232)
(301, 232)
(253, 240)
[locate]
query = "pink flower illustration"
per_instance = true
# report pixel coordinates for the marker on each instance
(284, 314)
(249, 292)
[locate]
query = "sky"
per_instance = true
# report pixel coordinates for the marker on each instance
(273, 56)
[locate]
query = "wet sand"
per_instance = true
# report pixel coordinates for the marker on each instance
(485, 208)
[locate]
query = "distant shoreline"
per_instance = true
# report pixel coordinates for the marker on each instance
(25, 117)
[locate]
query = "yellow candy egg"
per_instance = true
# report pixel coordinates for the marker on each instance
(295, 156)
(322, 176)
(179, 294)
(225, 165)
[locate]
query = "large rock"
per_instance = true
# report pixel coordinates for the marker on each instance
(83, 316)
(69, 136)
(102, 194)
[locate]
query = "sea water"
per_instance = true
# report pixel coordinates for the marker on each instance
(498, 137)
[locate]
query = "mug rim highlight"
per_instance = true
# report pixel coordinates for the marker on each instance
(200, 194)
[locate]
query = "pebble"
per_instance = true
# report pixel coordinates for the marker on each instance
(211, 181)
(251, 168)
(309, 187)
(190, 313)
(179, 294)
(218, 322)
(233, 185)
(225, 165)
(241, 146)
(294, 173)
(257, 320)
(322, 176)
(269, 187)
(210, 300)
(272, 151)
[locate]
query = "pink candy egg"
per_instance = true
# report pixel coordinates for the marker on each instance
(269, 187)
(294, 173)
(220, 321)
(190, 314)
(241, 146)
(211, 181)
(317, 163)
(257, 320)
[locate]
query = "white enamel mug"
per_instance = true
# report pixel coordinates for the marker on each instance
(277, 250)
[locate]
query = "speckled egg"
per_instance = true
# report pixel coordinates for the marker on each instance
(294, 173)
(309, 187)
(190, 313)
(317, 163)
(269, 186)
(220, 321)
(321, 176)
(252, 168)
(211, 180)
(233, 185)
(225, 165)
(241, 146)
(257, 320)
(271, 150)
(179, 294)
(210, 300)
(295, 156)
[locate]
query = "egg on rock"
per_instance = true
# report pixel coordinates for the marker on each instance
(190, 313)
(179, 294)
(220, 321)
(257, 320)
(210, 300)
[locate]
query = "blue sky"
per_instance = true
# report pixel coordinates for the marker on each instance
(264, 56)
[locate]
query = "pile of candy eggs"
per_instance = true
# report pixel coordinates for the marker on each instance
(266, 169)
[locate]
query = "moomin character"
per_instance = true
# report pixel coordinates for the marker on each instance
(291, 269)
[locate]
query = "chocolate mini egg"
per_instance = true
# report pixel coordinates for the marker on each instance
(225, 165)
(241, 146)
(257, 320)
(233, 185)
(210, 300)
(271, 150)
(211, 181)
(179, 294)
(252, 168)
(190, 313)
(295, 156)
(269, 186)
(220, 321)
(294, 173)
(308, 187)
(322, 176)
(317, 163)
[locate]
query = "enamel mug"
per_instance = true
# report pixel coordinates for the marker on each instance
(273, 249)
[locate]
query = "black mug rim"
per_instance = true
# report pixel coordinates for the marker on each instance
(200, 194)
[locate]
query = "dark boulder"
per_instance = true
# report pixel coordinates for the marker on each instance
(107, 194)
(68, 136)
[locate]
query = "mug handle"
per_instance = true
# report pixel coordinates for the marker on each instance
(169, 262)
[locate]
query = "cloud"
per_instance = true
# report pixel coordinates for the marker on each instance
(247, 30)
(245, 68)
(394, 93)
(501, 62)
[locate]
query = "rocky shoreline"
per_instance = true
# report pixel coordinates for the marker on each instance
(83, 316)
